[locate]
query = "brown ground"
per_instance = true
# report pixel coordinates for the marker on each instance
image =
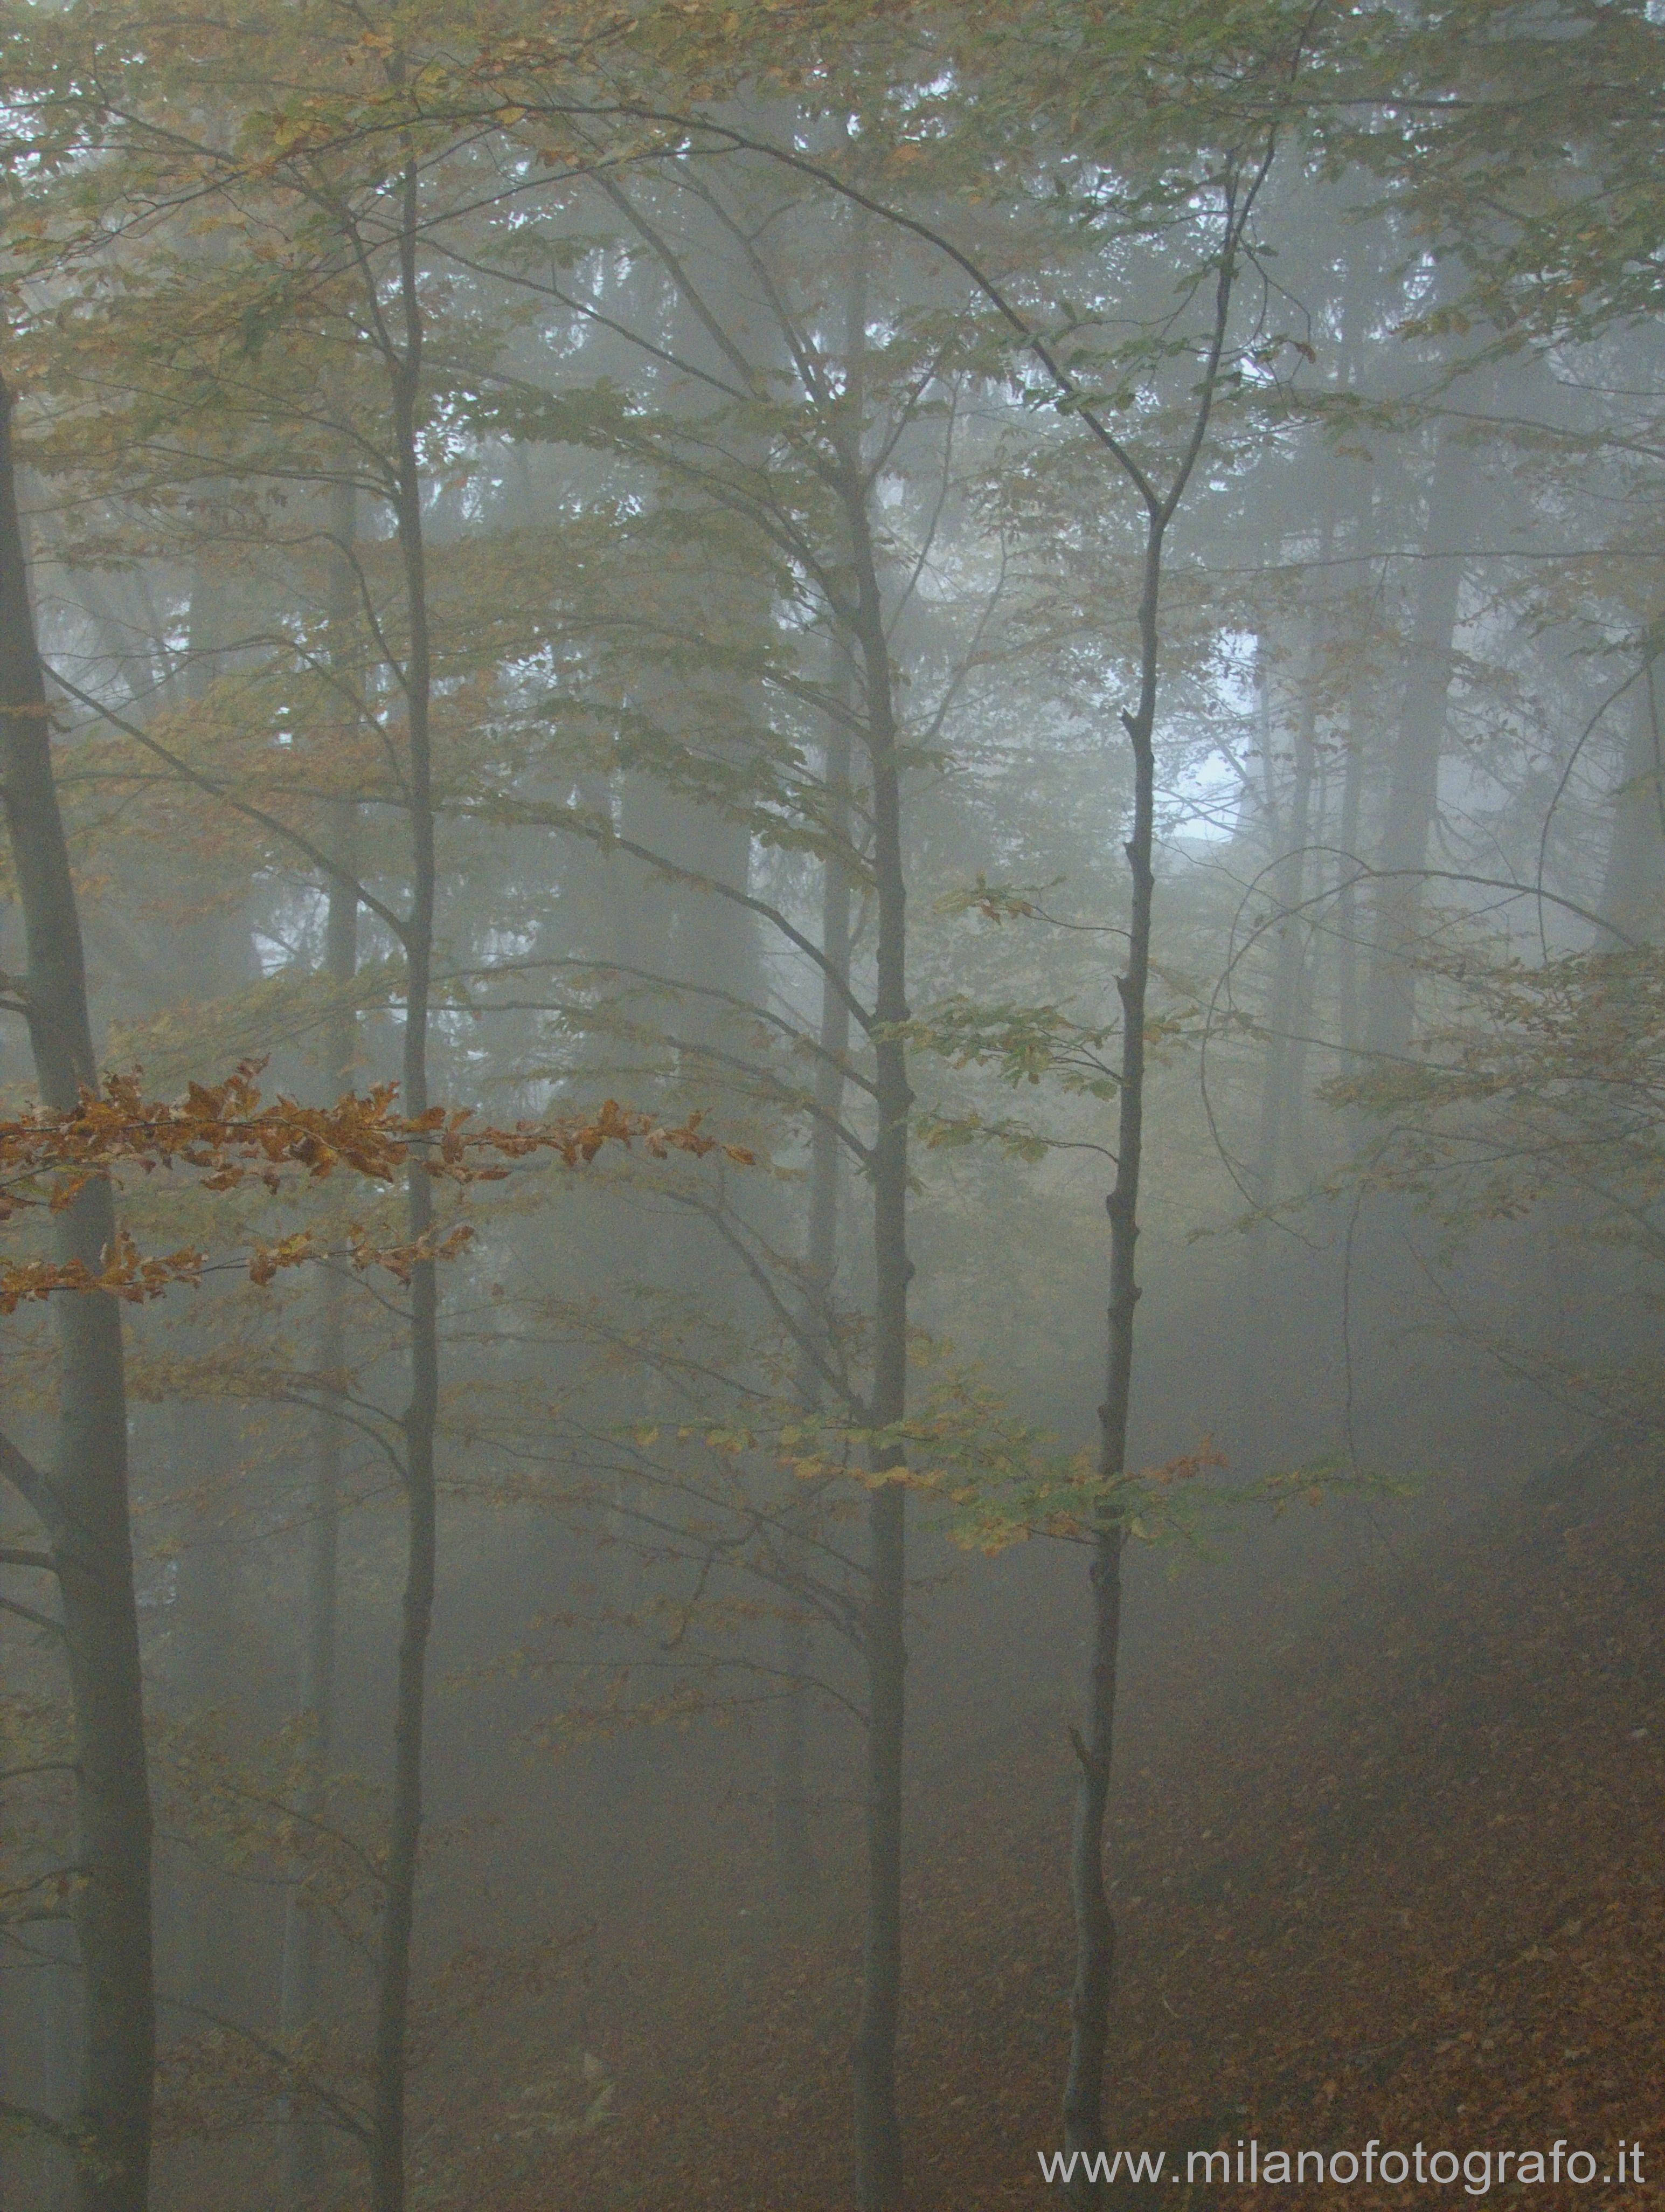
(1420, 1896)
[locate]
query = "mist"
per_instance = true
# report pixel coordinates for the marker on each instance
(830, 945)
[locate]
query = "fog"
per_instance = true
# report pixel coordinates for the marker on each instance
(830, 1150)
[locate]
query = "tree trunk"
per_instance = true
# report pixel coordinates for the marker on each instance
(1277, 1136)
(1414, 791)
(795, 1854)
(83, 1502)
(1346, 897)
(1095, 1928)
(1356, 615)
(303, 2143)
(387, 2154)
(878, 2131)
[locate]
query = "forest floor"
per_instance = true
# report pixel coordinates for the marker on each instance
(1402, 1880)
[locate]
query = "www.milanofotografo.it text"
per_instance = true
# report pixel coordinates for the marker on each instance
(1250, 2166)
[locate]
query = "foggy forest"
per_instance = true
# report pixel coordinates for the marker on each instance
(831, 1104)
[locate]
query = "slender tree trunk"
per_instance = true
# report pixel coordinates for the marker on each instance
(298, 1992)
(1357, 498)
(1414, 791)
(1284, 1060)
(387, 2156)
(302, 2143)
(878, 2131)
(1277, 1136)
(1284, 1054)
(795, 1853)
(1346, 897)
(83, 1501)
(1095, 1930)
